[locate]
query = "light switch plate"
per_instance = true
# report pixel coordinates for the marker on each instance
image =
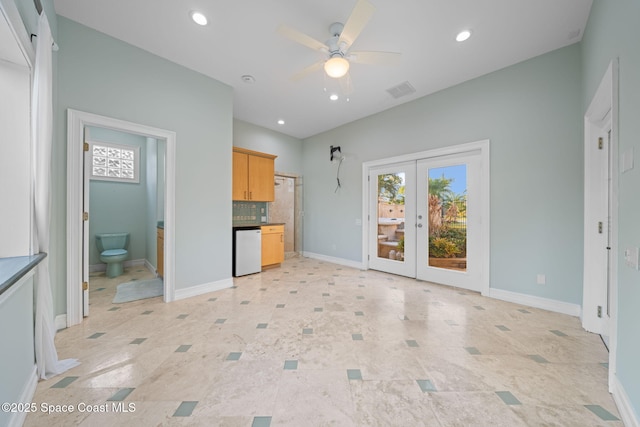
(631, 258)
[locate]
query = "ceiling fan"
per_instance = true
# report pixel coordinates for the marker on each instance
(336, 49)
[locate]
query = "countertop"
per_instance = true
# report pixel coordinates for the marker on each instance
(263, 224)
(12, 269)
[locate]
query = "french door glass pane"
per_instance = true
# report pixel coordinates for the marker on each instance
(447, 208)
(391, 216)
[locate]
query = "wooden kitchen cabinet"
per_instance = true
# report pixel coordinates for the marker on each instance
(253, 175)
(272, 245)
(160, 244)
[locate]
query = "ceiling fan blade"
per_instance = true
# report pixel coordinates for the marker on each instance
(301, 38)
(374, 58)
(362, 12)
(306, 71)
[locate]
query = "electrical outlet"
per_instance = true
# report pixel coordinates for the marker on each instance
(541, 279)
(631, 258)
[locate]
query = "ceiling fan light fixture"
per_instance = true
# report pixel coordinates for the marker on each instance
(336, 67)
(198, 17)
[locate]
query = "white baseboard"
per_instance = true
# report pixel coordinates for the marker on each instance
(131, 263)
(537, 302)
(61, 321)
(629, 417)
(28, 391)
(203, 289)
(334, 260)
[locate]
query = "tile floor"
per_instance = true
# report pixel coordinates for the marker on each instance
(317, 344)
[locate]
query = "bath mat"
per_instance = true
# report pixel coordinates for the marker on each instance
(138, 289)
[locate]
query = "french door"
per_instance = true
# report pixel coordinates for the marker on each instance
(424, 219)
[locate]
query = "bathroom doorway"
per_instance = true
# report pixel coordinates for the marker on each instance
(125, 182)
(78, 228)
(286, 209)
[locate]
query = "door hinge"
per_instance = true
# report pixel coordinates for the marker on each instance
(600, 143)
(85, 216)
(85, 146)
(600, 227)
(599, 311)
(85, 286)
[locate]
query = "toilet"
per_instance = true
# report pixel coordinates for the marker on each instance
(113, 251)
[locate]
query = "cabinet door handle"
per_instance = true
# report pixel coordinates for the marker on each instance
(282, 237)
(245, 195)
(250, 195)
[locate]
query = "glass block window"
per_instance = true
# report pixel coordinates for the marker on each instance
(113, 162)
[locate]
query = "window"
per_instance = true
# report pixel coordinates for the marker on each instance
(113, 162)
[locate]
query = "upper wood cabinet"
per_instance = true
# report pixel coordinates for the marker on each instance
(253, 175)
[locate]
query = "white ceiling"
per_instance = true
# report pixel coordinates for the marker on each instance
(241, 39)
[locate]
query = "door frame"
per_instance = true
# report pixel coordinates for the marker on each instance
(483, 146)
(76, 123)
(603, 104)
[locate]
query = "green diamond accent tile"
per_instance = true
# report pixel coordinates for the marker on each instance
(121, 395)
(605, 365)
(147, 312)
(502, 328)
(96, 335)
(426, 386)
(331, 283)
(263, 289)
(64, 382)
(602, 413)
(307, 331)
(275, 280)
(472, 350)
(522, 310)
(558, 333)
(185, 409)
(234, 356)
(359, 313)
(361, 286)
(412, 343)
(354, 374)
(478, 307)
(426, 290)
(357, 337)
(100, 289)
(138, 341)
(212, 299)
(234, 287)
(538, 358)
(183, 348)
(262, 326)
(293, 292)
(451, 322)
(325, 294)
(360, 297)
(114, 309)
(245, 302)
(220, 321)
(317, 309)
(291, 364)
(508, 398)
(261, 422)
(280, 306)
(183, 316)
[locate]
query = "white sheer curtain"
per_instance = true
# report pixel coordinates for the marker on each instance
(42, 134)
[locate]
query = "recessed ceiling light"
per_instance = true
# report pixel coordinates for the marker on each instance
(333, 97)
(280, 122)
(463, 35)
(198, 18)
(247, 78)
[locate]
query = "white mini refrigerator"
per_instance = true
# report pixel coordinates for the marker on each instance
(247, 251)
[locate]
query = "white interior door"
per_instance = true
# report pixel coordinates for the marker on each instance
(448, 221)
(392, 226)
(85, 226)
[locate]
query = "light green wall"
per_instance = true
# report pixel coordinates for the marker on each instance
(287, 148)
(118, 206)
(530, 112)
(102, 75)
(611, 34)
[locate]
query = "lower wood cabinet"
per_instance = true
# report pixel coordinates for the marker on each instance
(272, 245)
(160, 252)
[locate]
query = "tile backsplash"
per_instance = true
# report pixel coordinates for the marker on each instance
(250, 212)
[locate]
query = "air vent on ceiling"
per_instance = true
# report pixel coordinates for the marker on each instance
(401, 90)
